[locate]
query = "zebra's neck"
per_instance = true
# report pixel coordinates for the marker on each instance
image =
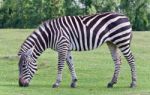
(42, 38)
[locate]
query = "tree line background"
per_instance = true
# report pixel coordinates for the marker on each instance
(30, 13)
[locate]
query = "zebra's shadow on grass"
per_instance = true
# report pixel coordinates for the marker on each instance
(78, 87)
(47, 86)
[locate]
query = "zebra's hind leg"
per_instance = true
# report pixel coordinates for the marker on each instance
(117, 61)
(70, 64)
(131, 61)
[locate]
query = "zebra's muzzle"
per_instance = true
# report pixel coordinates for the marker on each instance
(23, 83)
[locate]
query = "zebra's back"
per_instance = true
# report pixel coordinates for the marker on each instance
(89, 32)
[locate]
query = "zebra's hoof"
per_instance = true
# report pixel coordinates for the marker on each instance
(55, 86)
(73, 85)
(132, 85)
(110, 85)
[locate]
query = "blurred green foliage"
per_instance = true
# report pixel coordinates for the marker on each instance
(30, 13)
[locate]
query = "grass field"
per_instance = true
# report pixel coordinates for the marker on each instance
(94, 69)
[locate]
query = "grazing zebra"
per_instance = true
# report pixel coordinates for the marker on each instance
(77, 33)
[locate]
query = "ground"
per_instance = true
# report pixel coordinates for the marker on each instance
(94, 69)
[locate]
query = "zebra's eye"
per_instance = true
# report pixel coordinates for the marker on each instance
(23, 65)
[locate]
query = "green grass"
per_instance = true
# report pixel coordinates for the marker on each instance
(94, 69)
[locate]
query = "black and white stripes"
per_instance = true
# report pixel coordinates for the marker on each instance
(81, 33)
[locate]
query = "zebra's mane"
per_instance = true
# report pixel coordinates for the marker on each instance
(25, 46)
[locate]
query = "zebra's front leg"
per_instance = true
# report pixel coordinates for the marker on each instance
(61, 59)
(117, 61)
(70, 64)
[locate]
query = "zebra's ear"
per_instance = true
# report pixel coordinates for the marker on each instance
(29, 52)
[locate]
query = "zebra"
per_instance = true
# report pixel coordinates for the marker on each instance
(78, 33)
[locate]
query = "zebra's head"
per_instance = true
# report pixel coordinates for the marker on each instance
(27, 67)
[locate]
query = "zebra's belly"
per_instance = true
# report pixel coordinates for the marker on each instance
(83, 48)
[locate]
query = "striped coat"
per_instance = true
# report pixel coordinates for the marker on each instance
(79, 33)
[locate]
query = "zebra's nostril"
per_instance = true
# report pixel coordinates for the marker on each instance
(23, 83)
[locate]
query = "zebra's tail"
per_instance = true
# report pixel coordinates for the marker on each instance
(131, 36)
